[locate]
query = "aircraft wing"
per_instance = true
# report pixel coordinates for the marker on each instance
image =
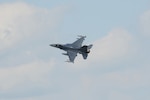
(71, 55)
(78, 43)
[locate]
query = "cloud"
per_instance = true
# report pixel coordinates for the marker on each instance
(145, 23)
(24, 31)
(21, 21)
(125, 83)
(126, 79)
(115, 95)
(22, 75)
(115, 45)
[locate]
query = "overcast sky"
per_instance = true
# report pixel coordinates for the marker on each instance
(116, 69)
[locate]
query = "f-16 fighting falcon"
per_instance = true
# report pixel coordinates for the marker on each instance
(74, 48)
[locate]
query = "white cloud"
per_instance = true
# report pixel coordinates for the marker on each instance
(24, 76)
(126, 79)
(116, 45)
(115, 95)
(118, 84)
(145, 23)
(21, 21)
(129, 78)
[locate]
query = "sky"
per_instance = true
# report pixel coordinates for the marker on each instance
(117, 67)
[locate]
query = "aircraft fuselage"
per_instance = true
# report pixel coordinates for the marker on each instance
(66, 47)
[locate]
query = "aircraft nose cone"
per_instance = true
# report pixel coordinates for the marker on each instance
(53, 45)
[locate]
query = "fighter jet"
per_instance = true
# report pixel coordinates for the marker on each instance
(74, 48)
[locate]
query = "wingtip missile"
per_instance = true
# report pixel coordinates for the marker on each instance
(65, 54)
(69, 61)
(81, 36)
